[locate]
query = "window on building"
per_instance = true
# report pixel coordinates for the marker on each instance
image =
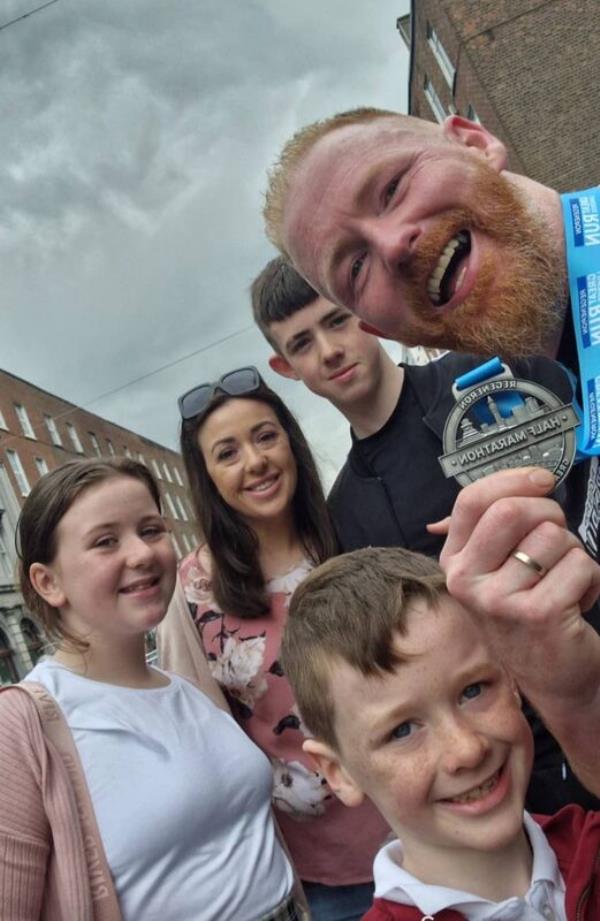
(128, 453)
(441, 55)
(20, 475)
(177, 547)
(181, 507)
(24, 420)
(74, 438)
(95, 444)
(8, 671)
(472, 114)
(6, 571)
(434, 100)
(188, 544)
(167, 472)
(171, 505)
(41, 465)
(156, 469)
(53, 431)
(178, 479)
(3, 424)
(142, 460)
(33, 639)
(111, 448)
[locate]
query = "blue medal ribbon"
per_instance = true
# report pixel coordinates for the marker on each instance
(581, 214)
(505, 402)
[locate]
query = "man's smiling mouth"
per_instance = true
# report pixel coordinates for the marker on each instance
(449, 272)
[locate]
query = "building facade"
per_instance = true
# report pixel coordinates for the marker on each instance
(522, 68)
(39, 431)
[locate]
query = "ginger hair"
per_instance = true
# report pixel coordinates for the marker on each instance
(281, 175)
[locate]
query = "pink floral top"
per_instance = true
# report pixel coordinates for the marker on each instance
(329, 842)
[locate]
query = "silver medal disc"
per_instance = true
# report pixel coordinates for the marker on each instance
(539, 432)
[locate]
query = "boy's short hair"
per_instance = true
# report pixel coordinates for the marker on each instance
(278, 292)
(349, 609)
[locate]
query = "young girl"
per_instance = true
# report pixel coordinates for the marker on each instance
(180, 795)
(261, 509)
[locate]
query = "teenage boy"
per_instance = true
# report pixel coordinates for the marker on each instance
(407, 704)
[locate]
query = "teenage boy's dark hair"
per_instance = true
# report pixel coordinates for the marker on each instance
(278, 292)
(349, 609)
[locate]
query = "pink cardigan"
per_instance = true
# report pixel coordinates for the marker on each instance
(48, 870)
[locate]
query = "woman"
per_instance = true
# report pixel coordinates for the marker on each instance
(182, 839)
(262, 512)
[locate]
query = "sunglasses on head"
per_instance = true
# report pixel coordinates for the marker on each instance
(234, 384)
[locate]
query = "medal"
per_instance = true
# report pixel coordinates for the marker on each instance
(500, 422)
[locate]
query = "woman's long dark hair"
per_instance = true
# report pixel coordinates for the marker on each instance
(237, 580)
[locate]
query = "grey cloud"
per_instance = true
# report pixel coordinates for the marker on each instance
(136, 136)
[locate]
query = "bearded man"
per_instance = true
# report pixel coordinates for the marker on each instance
(421, 231)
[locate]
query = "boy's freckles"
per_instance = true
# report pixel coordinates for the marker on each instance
(440, 745)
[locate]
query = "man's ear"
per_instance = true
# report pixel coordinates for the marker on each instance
(47, 584)
(327, 763)
(473, 135)
(279, 365)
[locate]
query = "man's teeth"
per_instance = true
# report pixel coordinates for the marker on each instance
(435, 279)
(477, 792)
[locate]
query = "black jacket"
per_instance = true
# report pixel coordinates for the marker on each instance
(392, 510)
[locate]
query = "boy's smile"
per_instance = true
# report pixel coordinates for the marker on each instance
(440, 745)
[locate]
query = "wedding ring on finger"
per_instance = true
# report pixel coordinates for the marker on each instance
(529, 561)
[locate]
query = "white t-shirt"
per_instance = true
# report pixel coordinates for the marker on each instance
(182, 798)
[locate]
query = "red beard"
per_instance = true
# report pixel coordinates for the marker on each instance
(514, 307)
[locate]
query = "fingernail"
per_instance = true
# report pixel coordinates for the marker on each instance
(542, 477)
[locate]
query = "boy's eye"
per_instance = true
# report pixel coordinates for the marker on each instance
(472, 690)
(403, 730)
(299, 345)
(339, 319)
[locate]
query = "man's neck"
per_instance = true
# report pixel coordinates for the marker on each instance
(371, 413)
(495, 875)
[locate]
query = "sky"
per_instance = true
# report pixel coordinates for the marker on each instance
(136, 135)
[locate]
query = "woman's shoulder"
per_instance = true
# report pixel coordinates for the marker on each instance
(195, 574)
(19, 720)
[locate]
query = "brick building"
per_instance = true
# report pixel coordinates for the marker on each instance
(524, 68)
(39, 431)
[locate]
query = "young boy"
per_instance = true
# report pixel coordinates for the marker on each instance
(406, 704)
